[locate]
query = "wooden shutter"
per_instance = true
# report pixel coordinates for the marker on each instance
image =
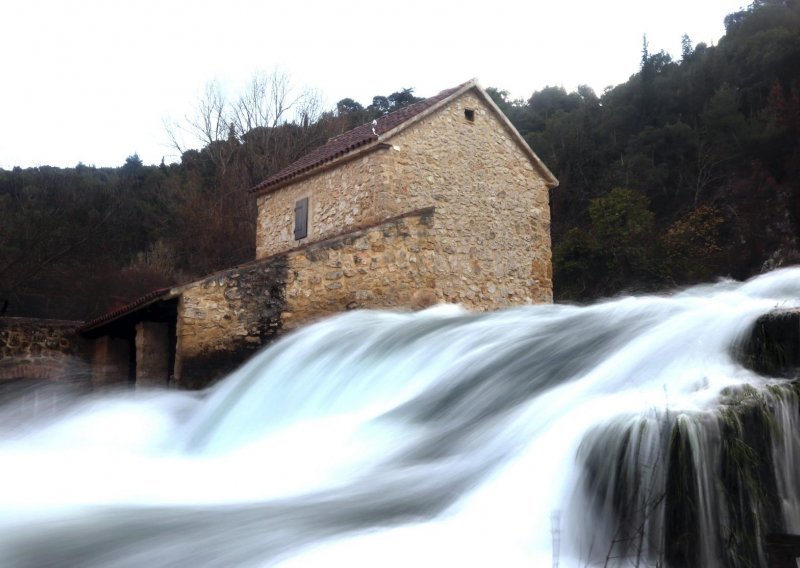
(301, 219)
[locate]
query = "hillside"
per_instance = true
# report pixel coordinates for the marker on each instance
(687, 172)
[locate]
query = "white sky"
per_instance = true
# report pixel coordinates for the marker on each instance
(92, 81)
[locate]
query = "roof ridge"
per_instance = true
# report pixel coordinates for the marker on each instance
(356, 137)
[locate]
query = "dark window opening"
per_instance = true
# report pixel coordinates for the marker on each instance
(469, 114)
(301, 219)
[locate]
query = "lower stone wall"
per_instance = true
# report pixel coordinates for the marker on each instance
(42, 349)
(223, 319)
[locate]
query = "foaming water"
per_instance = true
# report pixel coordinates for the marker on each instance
(534, 436)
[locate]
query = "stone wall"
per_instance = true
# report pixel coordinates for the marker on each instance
(224, 318)
(339, 199)
(42, 349)
(492, 206)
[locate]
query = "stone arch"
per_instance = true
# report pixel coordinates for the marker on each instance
(21, 371)
(38, 389)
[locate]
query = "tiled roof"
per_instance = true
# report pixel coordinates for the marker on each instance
(353, 139)
(127, 308)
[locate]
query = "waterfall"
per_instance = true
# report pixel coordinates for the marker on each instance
(625, 433)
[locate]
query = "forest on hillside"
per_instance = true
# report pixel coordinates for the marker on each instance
(687, 172)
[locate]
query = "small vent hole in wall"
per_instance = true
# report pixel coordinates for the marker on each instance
(469, 114)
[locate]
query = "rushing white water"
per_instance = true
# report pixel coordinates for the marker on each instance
(533, 436)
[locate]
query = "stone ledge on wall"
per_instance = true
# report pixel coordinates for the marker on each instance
(387, 265)
(225, 318)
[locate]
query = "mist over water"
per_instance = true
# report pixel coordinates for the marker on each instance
(534, 436)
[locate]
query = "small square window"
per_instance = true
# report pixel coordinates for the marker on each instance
(469, 114)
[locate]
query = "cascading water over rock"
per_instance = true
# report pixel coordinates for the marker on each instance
(623, 433)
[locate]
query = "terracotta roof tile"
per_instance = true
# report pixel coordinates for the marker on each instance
(127, 308)
(352, 139)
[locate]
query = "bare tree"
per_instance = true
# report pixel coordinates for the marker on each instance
(208, 126)
(266, 102)
(242, 141)
(270, 109)
(275, 123)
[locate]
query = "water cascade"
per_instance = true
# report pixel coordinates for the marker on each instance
(627, 433)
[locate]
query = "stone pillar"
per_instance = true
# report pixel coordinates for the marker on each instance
(152, 354)
(110, 361)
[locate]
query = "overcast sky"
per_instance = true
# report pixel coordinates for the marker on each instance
(92, 81)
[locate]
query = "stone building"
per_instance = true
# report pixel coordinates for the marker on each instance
(440, 201)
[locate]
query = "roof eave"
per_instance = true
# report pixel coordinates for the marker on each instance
(319, 168)
(136, 305)
(550, 179)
